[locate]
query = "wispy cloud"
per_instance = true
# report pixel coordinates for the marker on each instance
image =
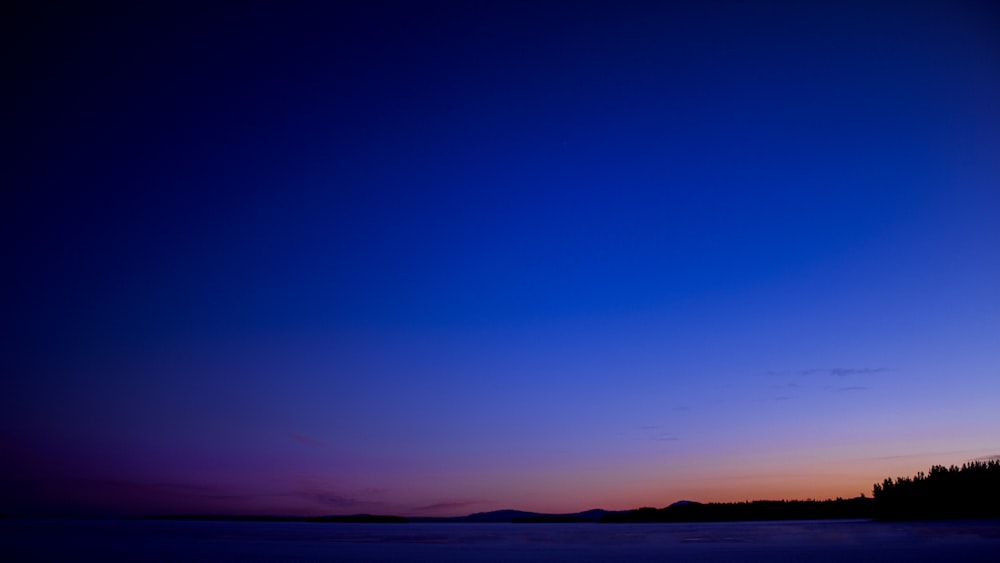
(832, 372)
(929, 454)
(452, 505)
(320, 490)
(853, 388)
(327, 497)
(656, 433)
(306, 440)
(842, 372)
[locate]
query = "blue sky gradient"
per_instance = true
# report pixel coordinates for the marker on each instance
(444, 257)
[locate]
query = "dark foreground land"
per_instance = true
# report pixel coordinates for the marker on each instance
(857, 541)
(969, 491)
(953, 515)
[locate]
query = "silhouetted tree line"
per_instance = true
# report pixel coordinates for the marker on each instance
(860, 507)
(969, 491)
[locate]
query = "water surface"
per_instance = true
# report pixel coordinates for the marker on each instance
(814, 541)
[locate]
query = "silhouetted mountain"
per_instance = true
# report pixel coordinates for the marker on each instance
(689, 511)
(969, 491)
(520, 517)
(496, 516)
(500, 516)
(683, 503)
(594, 515)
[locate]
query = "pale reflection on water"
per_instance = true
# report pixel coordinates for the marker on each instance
(815, 541)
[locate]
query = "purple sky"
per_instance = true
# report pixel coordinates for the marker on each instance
(440, 258)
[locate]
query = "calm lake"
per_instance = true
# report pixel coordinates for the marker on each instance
(813, 541)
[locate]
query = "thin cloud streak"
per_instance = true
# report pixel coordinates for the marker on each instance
(306, 440)
(449, 505)
(843, 372)
(832, 372)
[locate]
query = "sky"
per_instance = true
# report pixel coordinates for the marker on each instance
(437, 258)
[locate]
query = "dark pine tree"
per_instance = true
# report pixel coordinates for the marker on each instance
(969, 491)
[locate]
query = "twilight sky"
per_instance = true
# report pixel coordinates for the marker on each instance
(434, 258)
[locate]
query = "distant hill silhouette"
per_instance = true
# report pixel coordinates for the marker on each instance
(595, 515)
(969, 491)
(689, 511)
(520, 517)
